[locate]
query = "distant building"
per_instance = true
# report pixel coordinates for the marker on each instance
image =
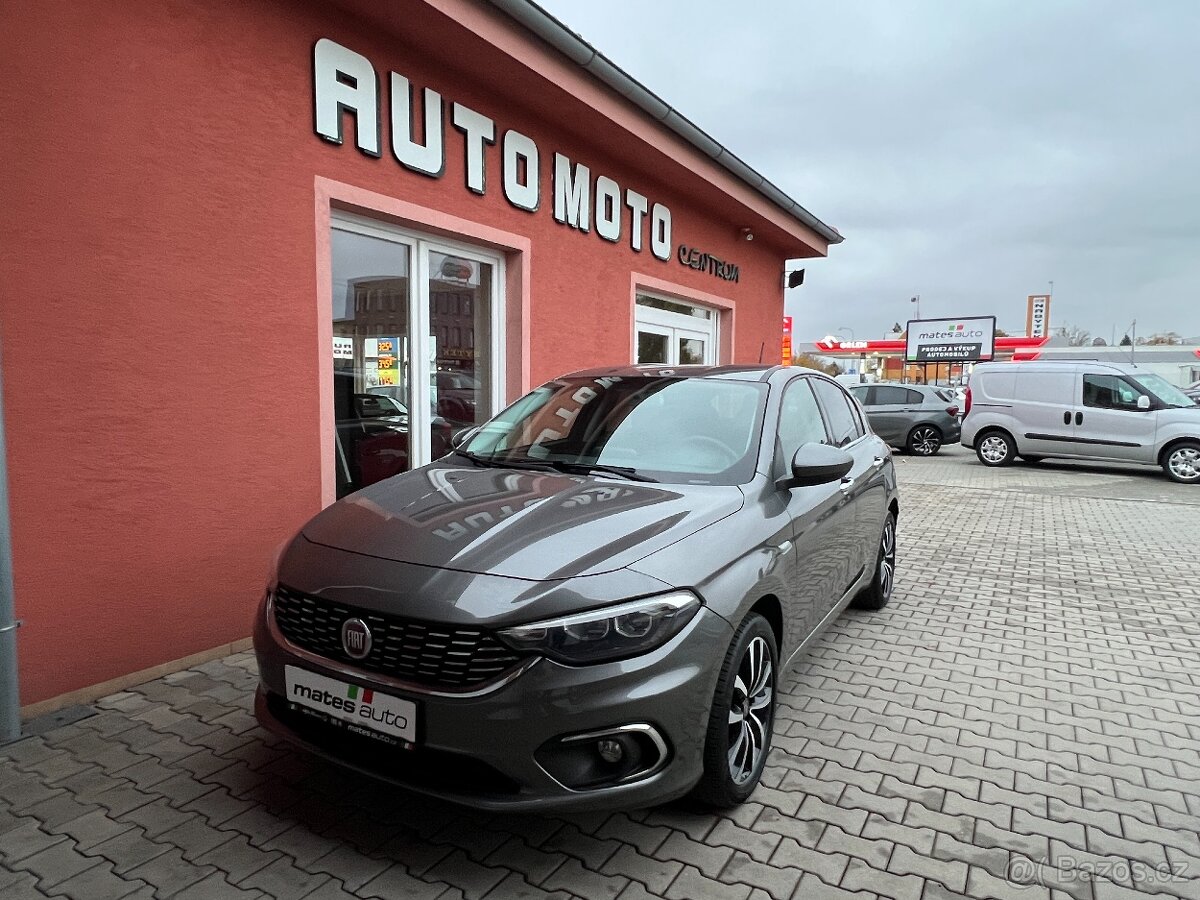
(1178, 363)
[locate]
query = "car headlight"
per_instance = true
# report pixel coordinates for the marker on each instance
(602, 635)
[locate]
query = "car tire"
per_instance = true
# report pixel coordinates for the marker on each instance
(879, 591)
(741, 718)
(924, 440)
(995, 448)
(1181, 462)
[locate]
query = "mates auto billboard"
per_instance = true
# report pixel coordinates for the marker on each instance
(951, 340)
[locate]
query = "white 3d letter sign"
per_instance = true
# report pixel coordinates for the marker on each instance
(346, 83)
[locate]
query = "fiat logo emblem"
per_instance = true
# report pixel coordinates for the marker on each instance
(356, 638)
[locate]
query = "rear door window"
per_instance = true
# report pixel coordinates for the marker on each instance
(862, 394)
(889, 395)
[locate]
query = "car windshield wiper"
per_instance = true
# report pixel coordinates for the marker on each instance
(475, 458)
(553, 465)
(587, 468)
(556, 465)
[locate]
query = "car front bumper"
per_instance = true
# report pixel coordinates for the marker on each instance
(480, 749)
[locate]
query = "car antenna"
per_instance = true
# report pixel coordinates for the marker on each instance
(761, 348)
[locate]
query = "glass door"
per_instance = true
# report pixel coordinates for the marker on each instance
(464, 375)
(372, 285)
(417, 347)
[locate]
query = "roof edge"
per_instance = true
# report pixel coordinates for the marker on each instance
(545, 26)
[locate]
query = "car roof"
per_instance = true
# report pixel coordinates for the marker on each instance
(759, 373)
(1050, 365)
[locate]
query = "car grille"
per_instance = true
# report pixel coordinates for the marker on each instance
(420, 652)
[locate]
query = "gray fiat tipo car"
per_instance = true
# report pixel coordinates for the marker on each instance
(591, 601)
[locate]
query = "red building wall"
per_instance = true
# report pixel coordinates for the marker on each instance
(158, 316)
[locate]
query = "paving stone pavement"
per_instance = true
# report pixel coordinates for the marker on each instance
(1023, 721)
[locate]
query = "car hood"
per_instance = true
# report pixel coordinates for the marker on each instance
(518, 523)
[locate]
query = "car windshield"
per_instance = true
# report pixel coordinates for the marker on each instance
(683, 430)
(1164, 390)
(371, 406)
(452, 381)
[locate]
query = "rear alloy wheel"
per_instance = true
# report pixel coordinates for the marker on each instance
(879, 591)
(742, 716)
(924, 440)
(996, 449)
(1182, 463)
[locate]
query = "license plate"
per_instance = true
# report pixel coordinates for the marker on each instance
(353, 704)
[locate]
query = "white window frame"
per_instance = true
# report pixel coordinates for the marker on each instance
(419, 246)
(679, 325)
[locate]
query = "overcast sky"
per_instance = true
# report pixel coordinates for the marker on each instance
(969, 151)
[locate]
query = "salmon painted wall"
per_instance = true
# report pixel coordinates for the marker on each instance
(158, 308)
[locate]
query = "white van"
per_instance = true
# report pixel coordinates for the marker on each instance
(1081, 410)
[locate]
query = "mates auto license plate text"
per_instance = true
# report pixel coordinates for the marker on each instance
(352, 704)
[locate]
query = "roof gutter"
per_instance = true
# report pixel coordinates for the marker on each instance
(587, 57)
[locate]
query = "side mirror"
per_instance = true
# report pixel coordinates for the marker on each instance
(462, 435)
(1143, 402)
(816, 464)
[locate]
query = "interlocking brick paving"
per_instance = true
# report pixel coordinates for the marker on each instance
(1022, 721)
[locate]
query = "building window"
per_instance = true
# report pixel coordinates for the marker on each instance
(674, 333)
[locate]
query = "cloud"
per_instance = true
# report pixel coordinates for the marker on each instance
(970, 152)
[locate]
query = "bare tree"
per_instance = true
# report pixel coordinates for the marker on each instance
(1076, 336)
(1164, 337)
(814, 362)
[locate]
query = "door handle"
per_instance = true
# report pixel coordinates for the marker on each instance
(879, 461)
(846, 484)
(1066, 418)
(1078, 418)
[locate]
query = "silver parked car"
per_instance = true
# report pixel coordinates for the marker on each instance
(592, 600)
(919, 418)
(1081, 410)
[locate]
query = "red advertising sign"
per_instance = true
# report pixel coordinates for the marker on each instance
(787, 340)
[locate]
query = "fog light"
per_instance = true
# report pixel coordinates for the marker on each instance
(603, 758)
(610, 751)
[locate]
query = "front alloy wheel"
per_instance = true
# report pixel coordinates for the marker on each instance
(924, 440)
(742, 716)
(750, 711)
(1183, 464)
